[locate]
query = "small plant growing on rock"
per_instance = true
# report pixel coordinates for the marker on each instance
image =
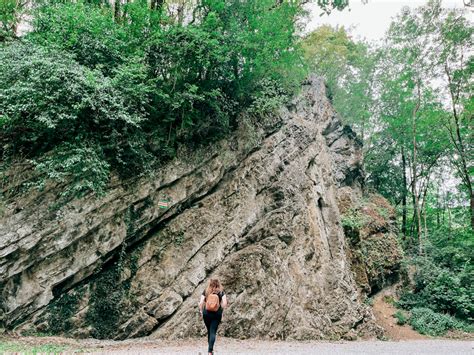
(353, 219)
(369, 301)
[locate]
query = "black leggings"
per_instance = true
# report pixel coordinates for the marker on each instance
(211, 320)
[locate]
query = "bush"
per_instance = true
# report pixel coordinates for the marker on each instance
(426, 321)
(88, 32)
(82, 167)
(127, 89)
(441, 289)
(197, 99)
(402, 317)
(71, 120)
(353, 219)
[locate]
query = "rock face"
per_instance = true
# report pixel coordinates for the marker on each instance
(372, 245)
(259, 211)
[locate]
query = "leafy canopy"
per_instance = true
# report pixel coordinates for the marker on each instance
(126, 85)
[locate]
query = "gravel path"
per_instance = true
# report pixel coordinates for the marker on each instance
(231, 346)
(227, 346)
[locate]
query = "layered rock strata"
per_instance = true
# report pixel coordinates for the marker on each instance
(259, 210)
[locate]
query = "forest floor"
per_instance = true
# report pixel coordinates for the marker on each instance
(384, 310)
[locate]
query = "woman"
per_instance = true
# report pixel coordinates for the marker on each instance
(212, 318)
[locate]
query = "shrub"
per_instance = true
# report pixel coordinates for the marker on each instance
(129, 88)
(89, 32)
(353, 219)
(192, 79)
(441, 289)
(402, 317)
(426, 321)
(71, 120)
(83, 168)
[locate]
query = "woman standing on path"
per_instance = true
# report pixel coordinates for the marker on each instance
(213, 301)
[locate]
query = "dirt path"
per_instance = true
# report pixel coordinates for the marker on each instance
(384, 312)
(231, 346)
(403, 341)
(225, 346)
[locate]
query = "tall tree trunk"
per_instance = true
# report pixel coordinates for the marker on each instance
(416, 201)
(464, 166)
(424, 204)
(458, 142)
(117, 6)
(157, 4)
(404, 195)
(472, 209)
(438, 207)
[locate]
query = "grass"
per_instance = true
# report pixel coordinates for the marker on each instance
(15, 347)
(389, 300)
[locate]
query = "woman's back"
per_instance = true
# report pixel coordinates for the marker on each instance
(211, 311)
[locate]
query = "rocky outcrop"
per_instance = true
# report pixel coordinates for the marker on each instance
(258, 210)
(372, 245)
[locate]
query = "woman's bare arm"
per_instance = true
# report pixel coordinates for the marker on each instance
(201, 303)
(224, 301)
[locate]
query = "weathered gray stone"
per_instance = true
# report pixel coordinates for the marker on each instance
(258, 210)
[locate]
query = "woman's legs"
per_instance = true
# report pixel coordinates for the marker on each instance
(212, 323)
(207, 322)
(212, 333)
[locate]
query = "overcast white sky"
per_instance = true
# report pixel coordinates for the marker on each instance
(370, 20)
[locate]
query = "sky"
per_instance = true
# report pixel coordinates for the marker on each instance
(370, 20)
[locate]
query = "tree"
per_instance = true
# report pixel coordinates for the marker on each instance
(349, 70)
(455, 38)
(10, 16)
(443, 40)
(128, 83)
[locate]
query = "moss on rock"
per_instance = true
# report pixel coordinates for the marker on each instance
(373, 248)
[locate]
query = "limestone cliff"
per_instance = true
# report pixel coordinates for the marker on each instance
(259, 210)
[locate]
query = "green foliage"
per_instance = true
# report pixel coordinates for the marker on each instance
(194, 99)
(89, 32)
(61, 311)
(402, 317)
(82, 168)
(328, 5)
(69, 119)
(349, 69)
(110, 294)
(10, 13)
(94, 90)
(11, 347)
(452, 248)
(426, 321)
(353, 219)
(269, 97)
(441, 289)
(443, 277)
